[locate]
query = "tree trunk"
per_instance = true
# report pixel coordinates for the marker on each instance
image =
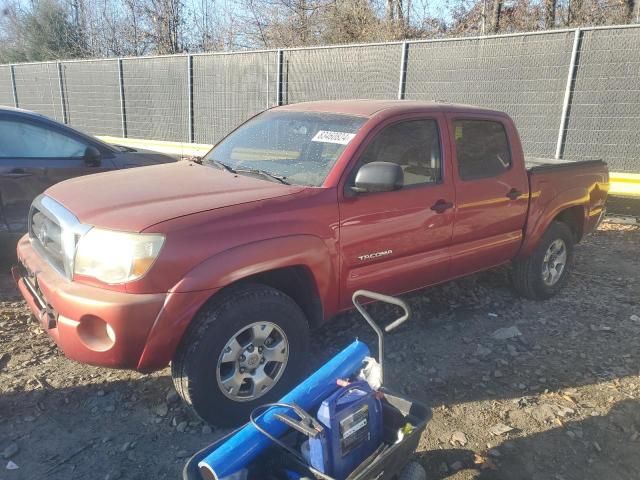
(550, 14)
(389, 12)
(631, 10)
(576, 14)
(495, 20)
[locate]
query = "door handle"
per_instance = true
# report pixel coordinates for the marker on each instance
(16, 173)
(441, 206)
(514, 193)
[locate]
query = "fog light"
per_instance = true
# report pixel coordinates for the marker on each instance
(96, 334)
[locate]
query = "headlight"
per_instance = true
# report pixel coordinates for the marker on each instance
(116, 257)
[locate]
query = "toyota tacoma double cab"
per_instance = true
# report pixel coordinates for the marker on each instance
(222, 266)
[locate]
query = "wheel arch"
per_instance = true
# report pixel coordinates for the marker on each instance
(296, 281)
(300, 266)
(574, 218)
(569, 207)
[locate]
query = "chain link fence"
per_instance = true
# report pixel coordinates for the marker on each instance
(341, 73)
(6, 86)
(227, 89)
(92, 94)
(573, 93)
(604, 110)
(524, 76)
(37, 87)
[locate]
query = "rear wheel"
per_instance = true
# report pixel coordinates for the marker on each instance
(247, 347)
(546, 270)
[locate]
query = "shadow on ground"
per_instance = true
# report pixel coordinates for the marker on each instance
(597, 448)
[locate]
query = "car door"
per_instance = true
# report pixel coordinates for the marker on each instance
(397, 241)
(491, 193)
(33, 156)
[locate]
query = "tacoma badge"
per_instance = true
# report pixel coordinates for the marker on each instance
(369, 256)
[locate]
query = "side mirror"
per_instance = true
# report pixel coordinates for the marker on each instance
(378, 177)
(92, 156)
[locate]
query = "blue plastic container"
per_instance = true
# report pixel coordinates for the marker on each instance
(352, 418)
(241, 448)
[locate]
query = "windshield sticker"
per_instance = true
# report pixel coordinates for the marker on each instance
(326, 136)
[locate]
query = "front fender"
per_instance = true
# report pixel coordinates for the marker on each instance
(243, 261)
(187, 297)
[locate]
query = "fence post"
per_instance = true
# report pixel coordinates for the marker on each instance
(403, 70)
(190, 97)
(279, 77)
(567, 93)
(13, 86)
(123, 111)
(63, 103)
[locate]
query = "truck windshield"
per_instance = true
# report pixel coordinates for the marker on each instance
(296, 147)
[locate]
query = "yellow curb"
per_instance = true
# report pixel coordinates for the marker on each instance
(170, 148)
(627, 184)
(620, 183)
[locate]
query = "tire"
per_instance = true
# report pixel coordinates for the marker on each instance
(413, 471)
(530, 277)
(207, 369)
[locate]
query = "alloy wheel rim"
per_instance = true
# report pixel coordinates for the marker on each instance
(554, 262)
(252, 361)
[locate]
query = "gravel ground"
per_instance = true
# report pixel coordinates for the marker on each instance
(519, 389)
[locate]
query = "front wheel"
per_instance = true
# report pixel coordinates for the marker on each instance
(413, 471)
(546, 270)
(247, 347)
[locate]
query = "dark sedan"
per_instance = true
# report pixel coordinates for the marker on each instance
(36, 152)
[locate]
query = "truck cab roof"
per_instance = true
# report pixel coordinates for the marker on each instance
(369, 108)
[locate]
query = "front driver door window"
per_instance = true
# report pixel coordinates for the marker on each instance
(414, 145)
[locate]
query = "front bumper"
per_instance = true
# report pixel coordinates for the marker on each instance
(89, 324)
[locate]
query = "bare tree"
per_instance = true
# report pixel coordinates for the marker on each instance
(166, 24)
(549, 14)
(631, 10)
(495, 16)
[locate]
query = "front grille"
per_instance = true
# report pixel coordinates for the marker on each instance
(46, 235)
(54, 232)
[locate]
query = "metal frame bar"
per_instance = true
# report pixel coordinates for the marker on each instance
(63, 102)
(123, 110)
(403, 70)
(567, 93)
(190, 98)
(13, 85)
(280, 78)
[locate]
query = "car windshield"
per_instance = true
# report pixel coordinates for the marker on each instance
(296, 147)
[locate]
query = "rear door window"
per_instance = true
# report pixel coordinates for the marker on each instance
(482, 149)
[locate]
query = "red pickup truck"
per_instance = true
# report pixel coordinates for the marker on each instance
(223, 266)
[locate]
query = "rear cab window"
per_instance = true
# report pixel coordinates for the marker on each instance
(482, 149)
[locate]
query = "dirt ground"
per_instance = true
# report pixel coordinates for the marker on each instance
(559, 399)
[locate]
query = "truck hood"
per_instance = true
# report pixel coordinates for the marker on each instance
(135, 199)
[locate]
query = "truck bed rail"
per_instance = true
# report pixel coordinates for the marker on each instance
(543, 164)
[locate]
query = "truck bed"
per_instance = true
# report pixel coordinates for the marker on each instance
(536, 164)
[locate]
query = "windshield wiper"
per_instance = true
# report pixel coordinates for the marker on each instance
(264, 173)
(221, 166)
